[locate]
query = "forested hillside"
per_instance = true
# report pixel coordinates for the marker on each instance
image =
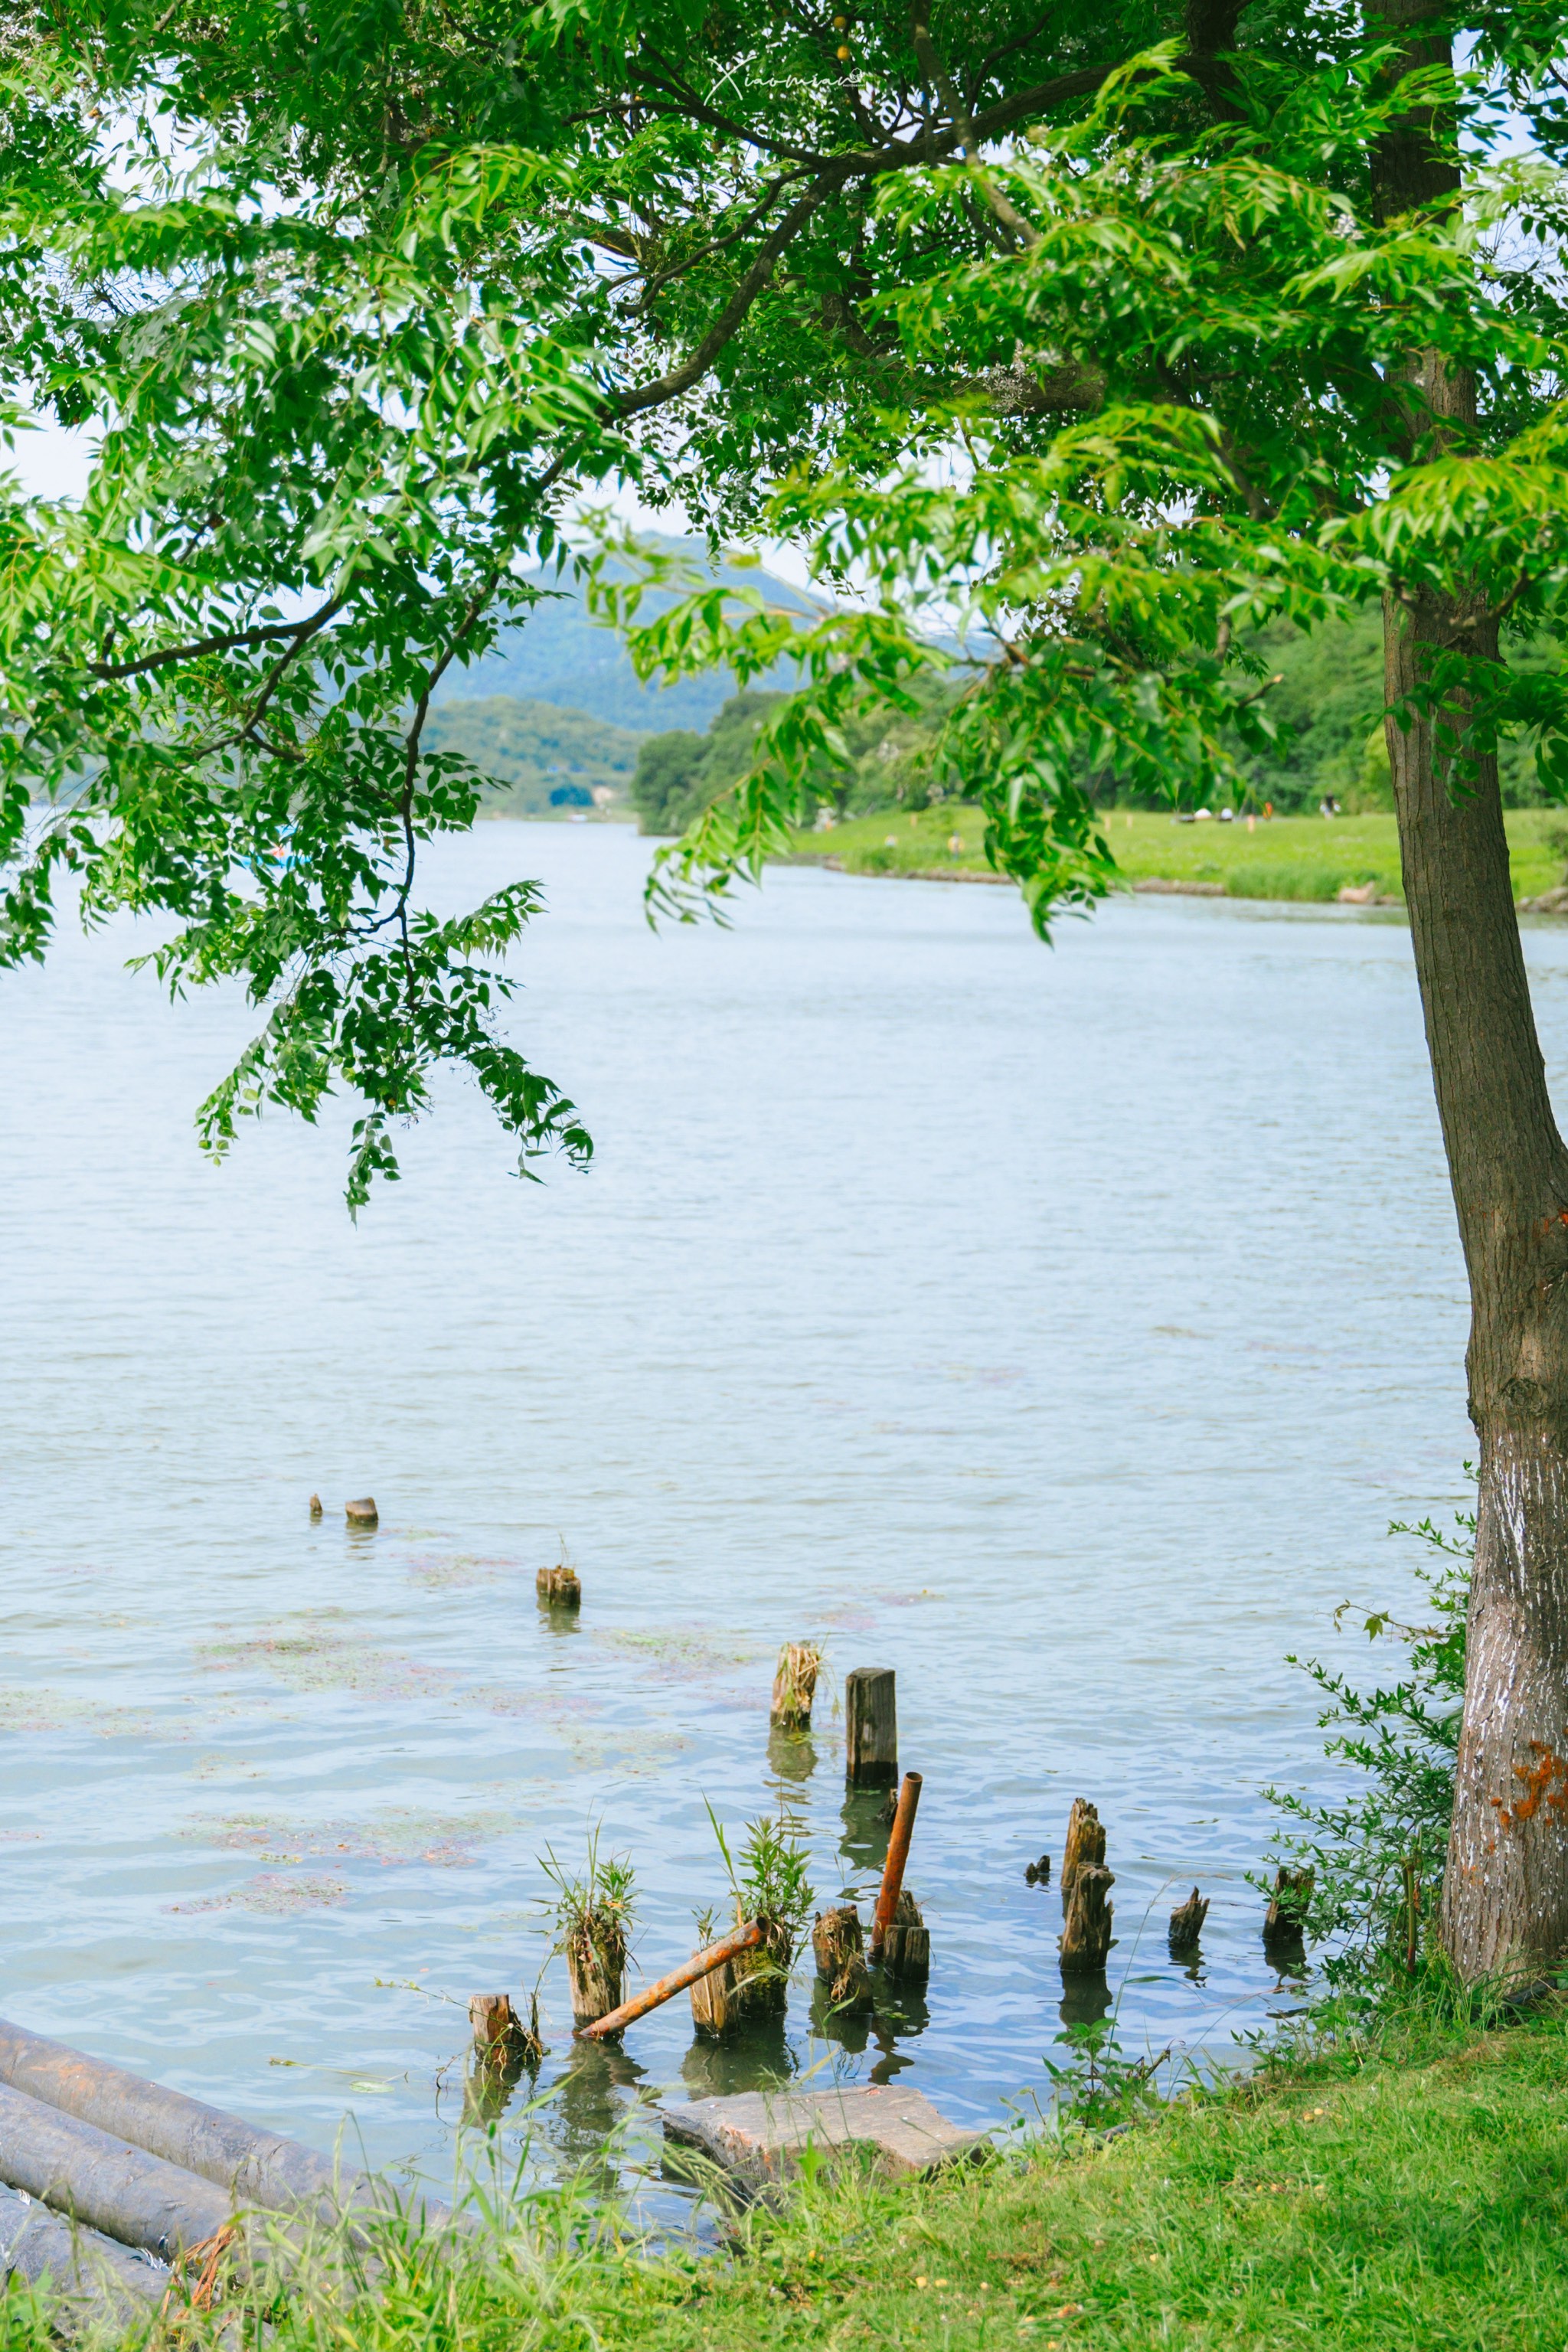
(546, 761)
(559, 655)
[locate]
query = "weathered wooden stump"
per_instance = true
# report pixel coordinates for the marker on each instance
(754, 1984)
(558, 1588)
(1285, 1921)
(597, 1978)
(871, 1727)
(841, 1951)
(1086, 1938)
(795, 1686)
(500, 2037)
(1187, 1923)
(1038, 1874)
(363, 1514)
(315, 1507)
(1085, 1845)
(906, 1945)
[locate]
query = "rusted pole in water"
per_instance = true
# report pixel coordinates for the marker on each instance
(654, 1996)
(897, 1855)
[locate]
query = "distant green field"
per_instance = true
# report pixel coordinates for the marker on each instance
(1310, 857)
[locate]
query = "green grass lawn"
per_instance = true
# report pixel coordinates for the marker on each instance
(1367, 2206)
(1414, 2200)
(1310, 857)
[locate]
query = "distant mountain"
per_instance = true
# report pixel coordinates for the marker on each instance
(550, 760)
(559, 655)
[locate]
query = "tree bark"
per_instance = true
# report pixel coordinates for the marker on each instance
(1505, 1896)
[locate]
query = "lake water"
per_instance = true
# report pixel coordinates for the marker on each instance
(1059, 1327)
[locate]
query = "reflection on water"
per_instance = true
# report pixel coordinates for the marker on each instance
(1016, 1319)
(1086, 1998)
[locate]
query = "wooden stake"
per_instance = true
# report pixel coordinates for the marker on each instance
(363, 1514)
(1284, 1920)
(906, 1947)
(794, 1686)
(1187, 1923)
(315, 1507)
(558, 1588)
(1085, 1844)
(654, 1996)
(596, 1990)
(897, 1855)
(871, 1727)
(500, 2037)
(841, 1952)
(1086, 1938)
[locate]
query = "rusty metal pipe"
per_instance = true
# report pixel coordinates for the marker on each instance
(897, 1855)
(654, 1996)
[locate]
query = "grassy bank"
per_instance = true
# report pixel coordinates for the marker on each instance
(1302, 858)
(1406, 2201)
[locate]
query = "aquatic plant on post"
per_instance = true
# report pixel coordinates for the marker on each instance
(592, 1914)
(769, 1884)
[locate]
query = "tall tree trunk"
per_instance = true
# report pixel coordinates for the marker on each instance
(1505, 1900)
(1505, 1895)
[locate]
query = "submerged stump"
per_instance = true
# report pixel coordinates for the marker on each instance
(1285, 1921)
(755, 1984)
(558, 1588)
(597, 1978)
(1086, 1938)
(1084, 1846)
(363, 1514)
(906, 1944)
(839, 1947)
(1187, 1923)
(795, 1686)
(871, 1727)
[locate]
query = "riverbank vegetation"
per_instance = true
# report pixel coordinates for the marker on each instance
(1388, 2192)
(1300, 857)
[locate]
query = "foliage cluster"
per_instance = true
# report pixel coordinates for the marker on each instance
(894, 759)
(1377, 1855)
(593, 1910)
(1087, 349)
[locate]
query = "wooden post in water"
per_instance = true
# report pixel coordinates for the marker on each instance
(1086, 1938)
(363, 1514)
(1187, 1923)
(794, 1686)
(906, 1945)
(1285, 1921)
(841, 1952)
(871, 1727)
(653, 1996)
(315, 1507)
(558, 1588)
(1085, 1845)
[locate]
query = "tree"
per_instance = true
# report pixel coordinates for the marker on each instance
(1322, 365)
(1106, 344)
(415, 283)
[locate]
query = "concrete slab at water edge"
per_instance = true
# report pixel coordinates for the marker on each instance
(759, 2136)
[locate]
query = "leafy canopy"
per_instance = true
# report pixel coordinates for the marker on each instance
(1089, 346)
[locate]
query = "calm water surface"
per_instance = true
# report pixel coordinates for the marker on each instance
(1061, 1329)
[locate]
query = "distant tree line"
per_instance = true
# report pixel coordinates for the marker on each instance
(1327, 702)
